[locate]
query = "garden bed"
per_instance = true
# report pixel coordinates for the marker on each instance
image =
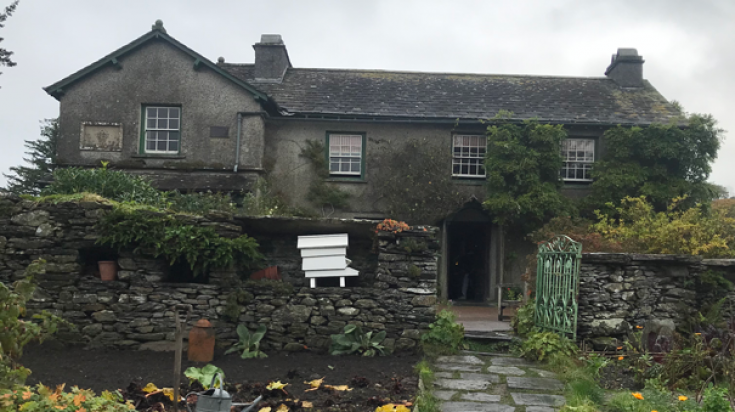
(373, 381)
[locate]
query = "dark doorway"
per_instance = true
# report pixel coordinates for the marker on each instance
(468, 268)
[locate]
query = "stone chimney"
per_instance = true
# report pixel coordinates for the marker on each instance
(626, 68)
(271, 58)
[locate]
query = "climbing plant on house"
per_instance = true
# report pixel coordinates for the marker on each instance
(660, 162)
(322, 193)
(522, 165)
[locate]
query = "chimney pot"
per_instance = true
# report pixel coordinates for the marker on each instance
(626, 68)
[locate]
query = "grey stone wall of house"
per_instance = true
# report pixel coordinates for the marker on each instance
(659, 292)
(395, 292)
(159, 74)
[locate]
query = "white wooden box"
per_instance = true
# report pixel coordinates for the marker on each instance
(323, 241)
(327, 251)
(337, 262)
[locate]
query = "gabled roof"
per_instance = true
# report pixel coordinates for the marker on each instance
(433, 96)
(156, 33)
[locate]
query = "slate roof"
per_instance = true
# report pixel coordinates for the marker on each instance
(376, 93)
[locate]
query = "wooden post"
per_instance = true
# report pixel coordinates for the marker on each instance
(179, 338)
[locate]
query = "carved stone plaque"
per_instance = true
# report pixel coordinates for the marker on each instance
(103, 137)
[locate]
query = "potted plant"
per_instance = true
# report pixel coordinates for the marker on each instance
(108, 270)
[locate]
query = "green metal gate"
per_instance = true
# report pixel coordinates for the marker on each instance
(557, 285)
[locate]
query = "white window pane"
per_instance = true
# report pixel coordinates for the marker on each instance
(173, 124)
(173, 112)
(163, 123)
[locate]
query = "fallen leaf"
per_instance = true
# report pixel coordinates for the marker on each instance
(306, 404)
(315, 384)
(282, 408)
(276, 385)
(338, 387)
(330, 367)
(169, 392)
(266, 409)
(390, 407)
(150, 388)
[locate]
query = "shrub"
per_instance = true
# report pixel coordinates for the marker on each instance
(15, 331)
(354, 340)
(692, 231)
(445, 333)
(249, 343)
(580, 230)
(545, 345)
(42, 399)
(110, 184)
(199, 203)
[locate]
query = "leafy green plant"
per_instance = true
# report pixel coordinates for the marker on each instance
(199, 203)
(524, 322)
(204, 375)
(249, 343)
(16, 330)
(445, 333)
(545, 345)
(165, 235)
(233, 302)
(715, 400)
(354, 340)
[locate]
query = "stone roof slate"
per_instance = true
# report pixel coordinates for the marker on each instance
(376, 93)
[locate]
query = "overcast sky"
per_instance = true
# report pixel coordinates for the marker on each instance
(688, 46)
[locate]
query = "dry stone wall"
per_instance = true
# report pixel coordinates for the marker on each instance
(395, 292)
(659, 292)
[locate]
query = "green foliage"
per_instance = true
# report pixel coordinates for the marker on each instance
(715, 400)
(204, 375)
(42, 157)
(199, 203)
(249, 343)
(580, 230)
(16, 330)
(163, 234)
(414, 271)
(5, 59)
(426, 401)
(353, 340)
(110, 184)
(546, 345)
(43, 399)
(524, 322)
(321, 193)
(659, 162)
(691, 231)
(233, 302)
(264, 201)
(522, 165)
(445, 333)
(414, 182)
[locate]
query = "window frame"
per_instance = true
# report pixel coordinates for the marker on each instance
(466, 176)
(346, 176)
(144, 128)
(565, 161)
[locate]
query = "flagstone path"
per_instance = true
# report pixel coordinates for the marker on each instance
(469, 383)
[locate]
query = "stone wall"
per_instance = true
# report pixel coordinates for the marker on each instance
(395, 292)
(621, 291)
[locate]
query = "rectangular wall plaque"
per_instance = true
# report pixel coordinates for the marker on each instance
(102, 137)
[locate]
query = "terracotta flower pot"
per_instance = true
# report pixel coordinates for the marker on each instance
(108, 270)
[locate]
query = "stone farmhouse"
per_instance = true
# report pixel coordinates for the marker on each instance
(158, 108)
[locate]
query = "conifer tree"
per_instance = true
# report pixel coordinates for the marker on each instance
(42, 152)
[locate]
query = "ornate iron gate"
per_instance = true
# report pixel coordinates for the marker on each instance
(557, 285)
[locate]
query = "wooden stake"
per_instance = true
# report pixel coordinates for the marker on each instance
(179, 338)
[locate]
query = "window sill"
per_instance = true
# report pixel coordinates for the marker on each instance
(577, 184)
(340, 179)
(158, 155)
(469, 181)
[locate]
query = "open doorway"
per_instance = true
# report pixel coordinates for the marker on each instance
(469, 243)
